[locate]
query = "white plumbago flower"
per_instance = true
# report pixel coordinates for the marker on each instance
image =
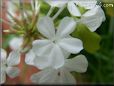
(92, 18)
(7, 65)
(16, 43)
(61, 75)
(50, 51)
(73, 5)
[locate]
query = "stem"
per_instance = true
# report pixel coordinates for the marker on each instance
(50, 11)
(14, 30)
(18, 24)
(57, 14)
(22, 12)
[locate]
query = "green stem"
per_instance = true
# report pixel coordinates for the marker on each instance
(50, 11)
(57, 14)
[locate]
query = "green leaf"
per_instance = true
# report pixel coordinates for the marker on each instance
(91, 40)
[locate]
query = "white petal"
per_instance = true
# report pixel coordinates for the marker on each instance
(78, 64)
(2, 74)
(65, 53)
(57, 57)
(46, 27)
(50, 55)
(88, 4)
(56, 3)
(2, 77)
(73, 9)
(12, 72)
(42, 47)
(46, 76)
(66, 27)
(42, 62)
(13, 58)
(3, 56)
(16, 43)
(72, 45)
(93, 18)
(66, 78)
(29, 57)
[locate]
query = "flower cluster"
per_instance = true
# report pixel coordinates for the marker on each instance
(46, 45)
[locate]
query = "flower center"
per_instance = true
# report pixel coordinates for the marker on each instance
(54, 40)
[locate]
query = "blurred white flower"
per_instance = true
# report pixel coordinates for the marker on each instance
(61, 75)
(6, 65)
(16, 43)
(92, 18)
(50, 51)
(73, 5)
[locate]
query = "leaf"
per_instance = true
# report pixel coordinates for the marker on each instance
(91, 40)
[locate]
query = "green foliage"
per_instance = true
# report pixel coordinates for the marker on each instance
(6, 39)
(91, 40)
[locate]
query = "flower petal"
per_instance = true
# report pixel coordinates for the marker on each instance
(66, 78)
(50, 54)
(78, 64)
(72, 45)
(73, 9)
(46, 27)
(13, 58)
(88, 4)
(93, 18)
(3, 56)
(42, 47)
(16, 43)
(29, 57)
(65, 53)
(42, 62)
(46, 76)
(2, 74)
(12, 72)
(66, 27)
(57, 57)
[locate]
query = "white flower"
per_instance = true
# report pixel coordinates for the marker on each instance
(16, 43)
(61, 75)
(6, 65)
(92, 18)
(73, 5)
(50, 51)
